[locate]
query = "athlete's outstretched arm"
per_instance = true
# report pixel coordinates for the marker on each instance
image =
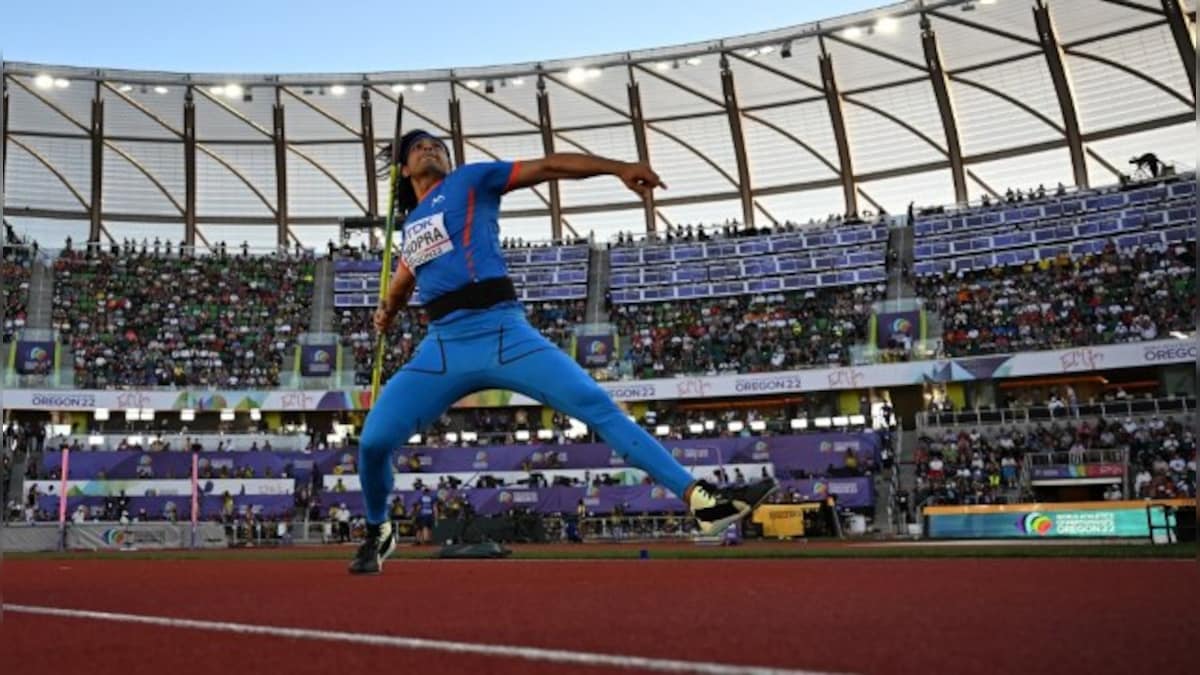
(638, 177)
(399, 291)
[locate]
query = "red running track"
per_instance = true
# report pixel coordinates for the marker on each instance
(1031, 616)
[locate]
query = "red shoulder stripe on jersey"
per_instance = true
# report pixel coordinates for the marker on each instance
(512, 177)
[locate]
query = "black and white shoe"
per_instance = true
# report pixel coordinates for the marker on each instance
(378, 545)
(717, 508)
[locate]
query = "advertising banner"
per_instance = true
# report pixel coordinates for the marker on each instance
(1057, 362)
(904, 327)
(1078, 471)
(1089, 520)
(594, 351)
(35, 357)
(317, 360)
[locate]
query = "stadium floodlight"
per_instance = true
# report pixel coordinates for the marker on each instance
(133, 414)
(521, 434)
(852, 33)
(695, 61)
(160, 89)
(473, 84)
(234, 91)
(576, 75)
(799, 423)
(255, 414)
(227, 415)
(398, 88)
(517, 81)
(418, 87)
(593, 73)
(95, 441)
(101, 414)
(750, 53)
(545, 434)
(736, 426)
(710, 425)
(662, 65)
(187, 415)
(887, 24)
(841, 421)
(766, 49)
(662, 430)
(822, 422)
(470, 436)
(60, 83)
(146, 414)
(43, 81)
(758, 425)
(125, 88)
(217, 90)
(337, 90)
(451, 437)
(696, 428)
(858, 420)
(415, 439)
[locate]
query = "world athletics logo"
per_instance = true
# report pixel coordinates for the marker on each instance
(1035, 524)
(902, 326)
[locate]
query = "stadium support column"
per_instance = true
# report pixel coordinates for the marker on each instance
(734, 113)
(97, 138)
(3, 140)
(1048, 36)
(547, 129)
(456, 129)
(1184, 42)
(368, 142)
(189, 168)
(834, 100)
(643, 148)
(281, 193)
(941, 92)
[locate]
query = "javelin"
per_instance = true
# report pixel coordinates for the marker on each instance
(385, 271)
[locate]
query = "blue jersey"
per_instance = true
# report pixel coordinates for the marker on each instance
(426, 508)
(452, 237)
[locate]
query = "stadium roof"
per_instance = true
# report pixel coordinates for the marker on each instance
(933, 102)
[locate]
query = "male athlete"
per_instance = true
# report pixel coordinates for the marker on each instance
(479, 338)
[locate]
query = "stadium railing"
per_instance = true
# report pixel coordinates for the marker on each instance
(1025, 416)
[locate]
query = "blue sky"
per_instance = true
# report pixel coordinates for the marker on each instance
(325, 36)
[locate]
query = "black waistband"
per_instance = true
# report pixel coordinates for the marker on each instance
(476, 295)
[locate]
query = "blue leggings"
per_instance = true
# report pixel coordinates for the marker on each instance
(494, 349)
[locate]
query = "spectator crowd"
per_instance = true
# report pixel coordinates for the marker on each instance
(141, 318)
(746, 334)
(1117, 296)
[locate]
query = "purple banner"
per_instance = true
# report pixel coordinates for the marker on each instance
(812, 453)
(1078, 471)
(34, 357)
(156, 508)
(905, 327)
(317, 360)
(815, 453)
(594, 351)
(635, 499)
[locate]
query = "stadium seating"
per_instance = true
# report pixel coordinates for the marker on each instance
(1089, 268)
(744, 334)
(14, 289)
(144, 319)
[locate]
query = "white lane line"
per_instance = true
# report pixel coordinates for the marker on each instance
(399, 642)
